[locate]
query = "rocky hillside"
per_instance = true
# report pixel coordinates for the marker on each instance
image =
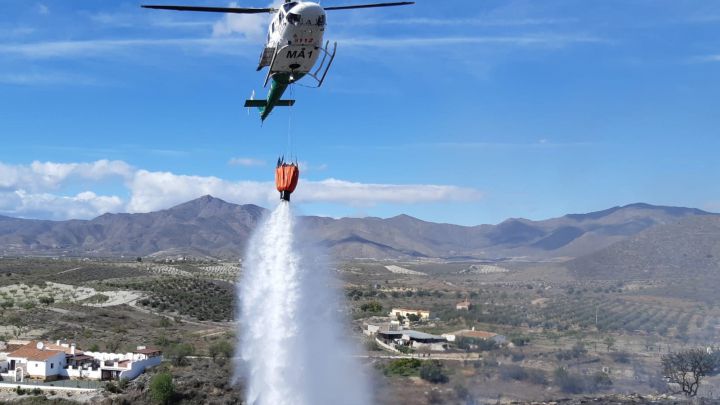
(689, 247)
(211, 227)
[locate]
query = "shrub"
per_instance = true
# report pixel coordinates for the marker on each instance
(404, 349)
(461, 392)
(221, 347)
(519, 341)
(162, 388)
(620, 357)
(513, 372)
(432, 371)
(517, 356)
(403, 367)
(569, 384)
(372, 306)
(600, 381)
(111, 387)
(179, 353)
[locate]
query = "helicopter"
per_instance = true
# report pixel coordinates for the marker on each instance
(294, 45)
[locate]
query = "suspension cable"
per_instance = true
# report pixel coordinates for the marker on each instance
(289, 150)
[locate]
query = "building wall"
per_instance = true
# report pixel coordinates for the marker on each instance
(403, 312)
(72, 372)
(138, 367)
(42, 369)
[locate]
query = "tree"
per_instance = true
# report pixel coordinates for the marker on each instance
(372, 306)
(609, 342)
(403, 367)
(413, 317)
(221, 347)
(688, 368)
(112, 346)
(7, 304)
(432, 371)
(180, 352)
(162, 388)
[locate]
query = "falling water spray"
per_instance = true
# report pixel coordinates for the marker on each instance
(292, 343)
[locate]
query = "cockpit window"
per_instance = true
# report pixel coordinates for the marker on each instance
(293, 18)
(321, 21)
(288, 6)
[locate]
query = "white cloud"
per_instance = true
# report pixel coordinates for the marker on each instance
(43, 176)
(34, 190)
(156, 190)
(459, 22)
(251, 26)
(67, 49)
(353, 193)
(547, 40)
(87, 204)
(247, 162)
(47, 78)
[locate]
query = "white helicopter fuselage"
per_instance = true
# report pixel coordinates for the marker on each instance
(296, 36)
(294, 44)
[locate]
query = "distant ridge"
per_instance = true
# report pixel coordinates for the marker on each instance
(682, 250)
(209, 226)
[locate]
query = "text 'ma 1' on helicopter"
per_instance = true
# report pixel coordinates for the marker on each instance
(294, 44)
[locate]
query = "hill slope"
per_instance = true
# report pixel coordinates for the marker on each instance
(211, 227)
(689, 248)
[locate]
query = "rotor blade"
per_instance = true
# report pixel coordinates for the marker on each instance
(234, 10)
(400, 3)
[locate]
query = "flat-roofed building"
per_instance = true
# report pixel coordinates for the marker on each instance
(422, 313)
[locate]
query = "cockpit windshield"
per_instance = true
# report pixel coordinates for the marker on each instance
(294, 19)
(288, 6)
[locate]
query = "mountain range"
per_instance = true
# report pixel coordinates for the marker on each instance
(210, 227)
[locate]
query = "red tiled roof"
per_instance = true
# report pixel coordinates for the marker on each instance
(31, 352)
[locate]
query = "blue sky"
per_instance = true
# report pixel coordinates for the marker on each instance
(448, 111)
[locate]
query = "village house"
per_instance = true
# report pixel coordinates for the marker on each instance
(414, 339)
(377, 324)
(463, 306)
(48, 362)
(423, 314)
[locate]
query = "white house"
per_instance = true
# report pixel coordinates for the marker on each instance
(48, 362)
(463, 306)
(423, 314)
(35, 360)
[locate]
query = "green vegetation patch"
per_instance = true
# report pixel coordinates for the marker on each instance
(201, 299)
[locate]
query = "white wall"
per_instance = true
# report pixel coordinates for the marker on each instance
(42, 368)
(82, 373)
(138, 367)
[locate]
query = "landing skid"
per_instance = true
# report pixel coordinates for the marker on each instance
(321, 66)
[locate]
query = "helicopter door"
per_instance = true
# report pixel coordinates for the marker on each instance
(266, 57)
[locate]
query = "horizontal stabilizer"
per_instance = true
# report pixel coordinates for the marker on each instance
(263, 103)
(255, 103)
